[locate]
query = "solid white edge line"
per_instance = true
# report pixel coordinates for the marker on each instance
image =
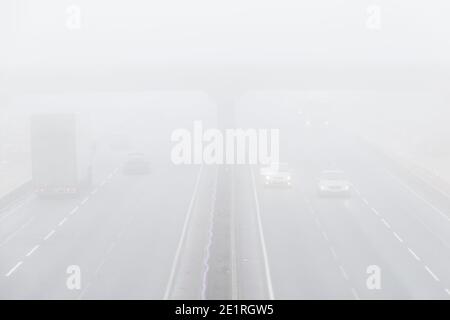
(442, 214)
(261, 237)
(182, 237)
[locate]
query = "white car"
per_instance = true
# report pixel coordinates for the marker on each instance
(276, 175)
(334, 183)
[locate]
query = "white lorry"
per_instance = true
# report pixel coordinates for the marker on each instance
(62, 154)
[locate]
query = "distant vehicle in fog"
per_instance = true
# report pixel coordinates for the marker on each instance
(136, 163)
(333, 183)
(62, 153)
(276, 175)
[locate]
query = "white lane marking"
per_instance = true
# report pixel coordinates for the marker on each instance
(74, 210)
(324, 234)
(398, 237)
(102, 184)
(111, 248)
(448, 291)
(365, 201)
(357, 191)
(94, 191)
(344, 274)
(431, 273)
(442, 214)
(12, 235)
(84, 200)
(375, 211)
(414, 254)
(110, 175)
(84, 291)
(333, 252)
(385, 223)
(262, 239)
(32, 250)
(49, 235)
(100, 266)
(10, 272)
(209, 243)
(182, 237)
(62, 221)
(355, 294)
(318, 223)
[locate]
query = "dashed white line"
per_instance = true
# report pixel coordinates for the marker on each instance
(102, 183)
(318, 223)
(74, 210)
(448, 291)
(375, 211)
(365, 201)
(84, 291)
(10, 272)
(84, 200)
(100, 266)
(385, 223)
(414, 254)
(111, 247)
(355, 294)
(398, 237)
(94, 191)
(62, 221)
(333, 252)
(32, 250)
(325, 235)
(49, 235)
(344, 274)
(431, 273)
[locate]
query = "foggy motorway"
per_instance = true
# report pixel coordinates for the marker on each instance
(248, 150)
(132, 240)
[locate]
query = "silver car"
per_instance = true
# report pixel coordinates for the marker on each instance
(277, 176)
(333, 183)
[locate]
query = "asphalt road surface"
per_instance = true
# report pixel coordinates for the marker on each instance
(156, 236)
